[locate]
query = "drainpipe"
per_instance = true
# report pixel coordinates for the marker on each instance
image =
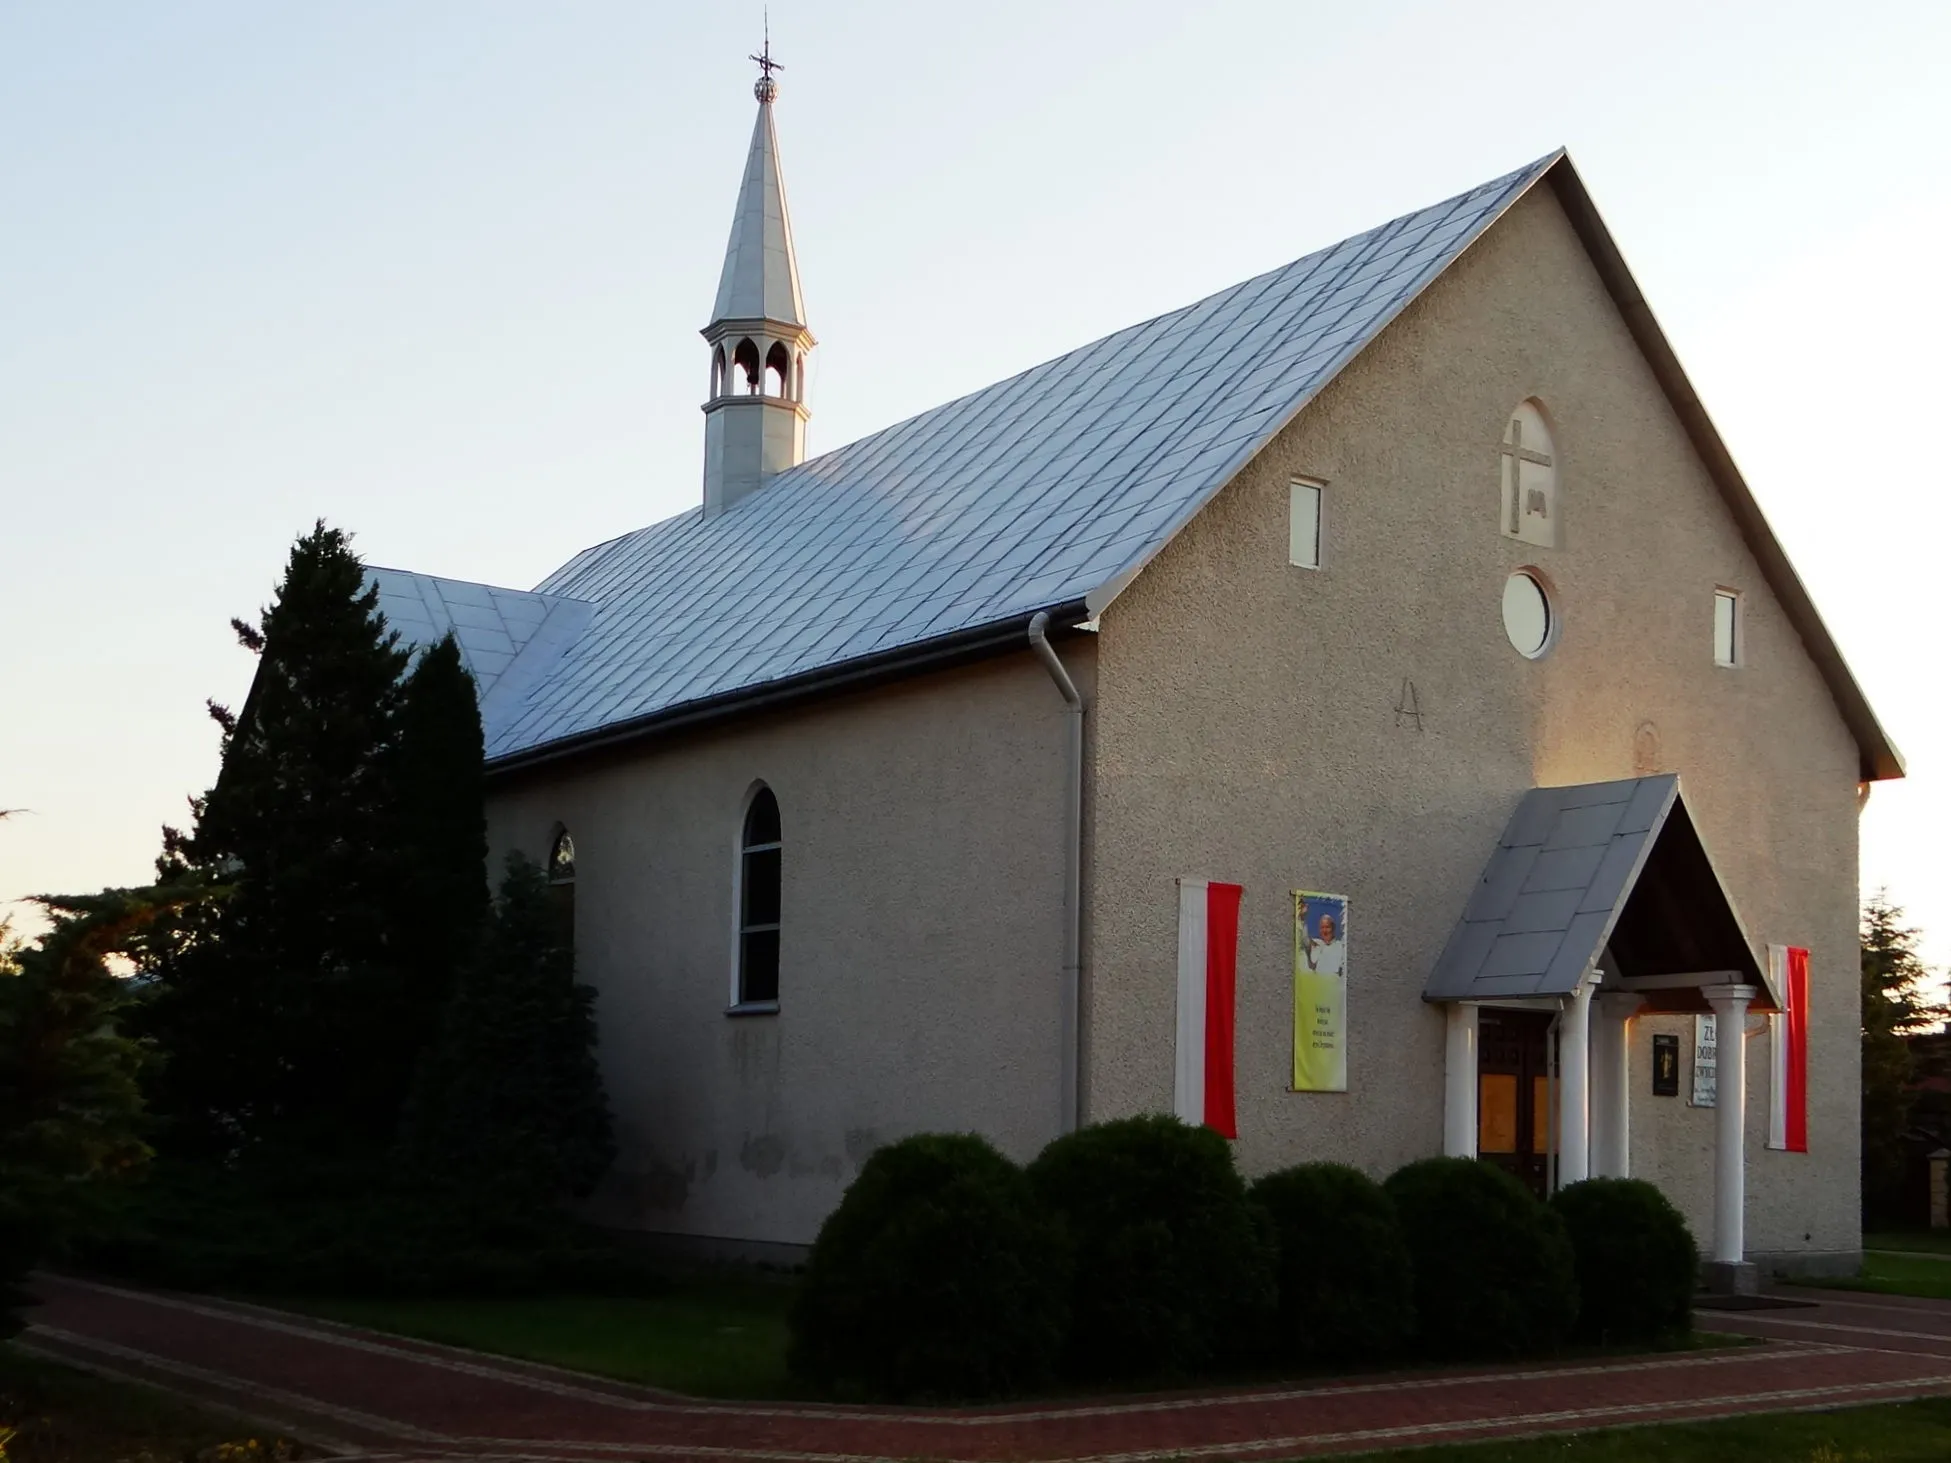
(1072, 1064)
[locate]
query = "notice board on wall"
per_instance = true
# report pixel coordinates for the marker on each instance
(1706, 1062)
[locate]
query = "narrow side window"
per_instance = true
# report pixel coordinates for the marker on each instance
(759, 872)
(1304, 524)
(562, 887)
(1727, 627)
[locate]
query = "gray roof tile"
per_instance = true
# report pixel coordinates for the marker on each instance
(1043, 490)
(1553, 889)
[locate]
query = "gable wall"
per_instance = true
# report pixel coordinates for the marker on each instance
(922, 940)
(1246, 728)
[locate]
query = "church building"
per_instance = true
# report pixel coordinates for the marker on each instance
(1364, 710)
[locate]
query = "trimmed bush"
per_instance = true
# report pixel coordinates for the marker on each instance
(1634, 1257)
(1492, 1265)
(1346, 1289)
(936, 1277)
(1174, 1265)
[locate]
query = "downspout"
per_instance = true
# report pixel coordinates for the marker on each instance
(1072, 1065)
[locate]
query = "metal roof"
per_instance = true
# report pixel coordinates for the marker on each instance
(761, 275)
(1561, 887)
(509, 638)
(1048, 491)
(1032, 494)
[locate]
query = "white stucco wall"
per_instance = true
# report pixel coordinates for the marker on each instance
(1246, 727)
(922, 940)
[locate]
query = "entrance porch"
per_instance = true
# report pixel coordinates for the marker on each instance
(1599, 904)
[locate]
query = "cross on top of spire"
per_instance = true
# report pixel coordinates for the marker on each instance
(765, 88)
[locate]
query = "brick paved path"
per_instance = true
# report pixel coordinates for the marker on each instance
(354, 1391)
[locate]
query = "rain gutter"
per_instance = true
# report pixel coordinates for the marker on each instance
(860, 673)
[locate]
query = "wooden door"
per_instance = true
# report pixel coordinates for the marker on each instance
(1514, 1094)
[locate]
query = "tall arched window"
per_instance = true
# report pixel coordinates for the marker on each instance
(758, 902)
(562, 887)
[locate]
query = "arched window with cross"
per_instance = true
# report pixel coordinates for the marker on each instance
(1529, 508)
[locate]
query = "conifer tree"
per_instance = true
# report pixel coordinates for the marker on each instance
(70, 1104)
(441, 840)
(266, 1003)
(1898, 1002)
(509, 1106)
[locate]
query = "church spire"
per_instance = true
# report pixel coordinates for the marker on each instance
(755, 421)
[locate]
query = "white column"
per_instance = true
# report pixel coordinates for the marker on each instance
(1612, 1085)
(1460, 1082)
(1574, 1086)
(1730, 1003)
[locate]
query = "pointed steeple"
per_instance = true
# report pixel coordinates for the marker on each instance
(760, 280)
(755, 421)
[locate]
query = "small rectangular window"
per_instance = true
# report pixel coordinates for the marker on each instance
(1727, 627)
(1304, 525)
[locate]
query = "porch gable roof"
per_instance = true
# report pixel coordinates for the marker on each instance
(1605, 869)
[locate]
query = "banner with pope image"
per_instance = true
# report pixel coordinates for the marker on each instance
(1320, 992)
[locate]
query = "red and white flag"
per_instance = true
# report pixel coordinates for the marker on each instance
(1788, 1050)
(1209, 943)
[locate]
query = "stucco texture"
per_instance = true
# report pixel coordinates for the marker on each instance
(922, 943)
(1246, 727)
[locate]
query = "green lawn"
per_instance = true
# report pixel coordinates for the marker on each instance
(1891, 1274)
(1922, 1241)
(713, 1335)
(710, 1337)
(1908, 1432)
(59, 1415)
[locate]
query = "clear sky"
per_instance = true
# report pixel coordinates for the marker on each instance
(435, 271)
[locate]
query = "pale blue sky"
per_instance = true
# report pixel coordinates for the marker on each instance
(435, 271)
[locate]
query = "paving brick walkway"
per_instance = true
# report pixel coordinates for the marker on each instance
(352, 1391)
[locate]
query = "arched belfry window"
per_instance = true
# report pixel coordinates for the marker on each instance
(562, 886)
(779, 368)
(758, 902)
(745, 360)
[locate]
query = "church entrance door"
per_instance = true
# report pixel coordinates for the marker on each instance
(1514, 1094)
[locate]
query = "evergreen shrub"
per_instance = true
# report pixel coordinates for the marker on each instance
(1492, 1264)
(508, 1106)
(1346, 1289)
(936, 1277)
(1635, 1260)
(1174, 1265)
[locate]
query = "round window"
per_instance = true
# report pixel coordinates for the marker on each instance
(1527, 614)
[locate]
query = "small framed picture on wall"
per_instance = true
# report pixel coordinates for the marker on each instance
(1666, 1065)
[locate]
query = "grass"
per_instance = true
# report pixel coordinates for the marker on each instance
(1905, 1432)
(1918, 1241)
(59, 1415)
(712, 1335)
(1893, 1274)
(709, 1336)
